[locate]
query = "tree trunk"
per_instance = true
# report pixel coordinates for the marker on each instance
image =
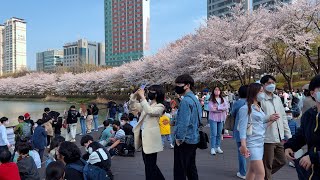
(314, 67)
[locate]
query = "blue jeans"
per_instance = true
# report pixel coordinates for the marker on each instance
(96, 122)
(83, 125)
(166, 137)
(215, 133)
(242, 161)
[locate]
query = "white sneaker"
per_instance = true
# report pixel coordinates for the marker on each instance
(218, 150)
(213, 152)
(171, 146)
(240, 176)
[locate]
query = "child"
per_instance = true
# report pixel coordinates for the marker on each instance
(39, 138)
(8, 170)
(165, 131)
(27, 167)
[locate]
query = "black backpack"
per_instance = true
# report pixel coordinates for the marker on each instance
(89, 171)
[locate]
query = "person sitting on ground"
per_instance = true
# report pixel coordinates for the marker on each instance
(8, 170)
(133, 120)
(127, 128)
(91, 146)
(117, 141)
(98, 156)
(55, 171)
(32, 153)
(26, 165)
(39, 138)
(55, 143)
(69, 153)
(106, 133)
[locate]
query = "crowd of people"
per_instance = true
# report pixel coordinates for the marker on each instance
(265, 122)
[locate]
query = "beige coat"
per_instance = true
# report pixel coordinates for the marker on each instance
(48, 127)
(150, 115)
(270, 106)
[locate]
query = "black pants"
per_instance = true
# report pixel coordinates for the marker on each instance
(48, 140)
(152, 171)
(185, 162)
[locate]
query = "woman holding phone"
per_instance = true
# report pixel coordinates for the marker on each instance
(147, 132)
(252, 126)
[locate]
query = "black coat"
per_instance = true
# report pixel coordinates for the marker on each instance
(308, 134)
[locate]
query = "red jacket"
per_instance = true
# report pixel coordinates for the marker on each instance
(9, 171)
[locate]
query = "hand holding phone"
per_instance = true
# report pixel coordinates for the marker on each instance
(143, 86)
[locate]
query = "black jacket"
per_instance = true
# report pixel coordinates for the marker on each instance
(308, 134)
(72, 116)
(95, 110)
(51, 115)
(57, 124)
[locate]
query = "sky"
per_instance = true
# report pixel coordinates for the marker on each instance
(52, 23)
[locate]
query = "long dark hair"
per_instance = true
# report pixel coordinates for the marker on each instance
(213, 96)
(159, 92)
(253, 91)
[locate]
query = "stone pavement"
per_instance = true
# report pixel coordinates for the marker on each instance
(220, 167)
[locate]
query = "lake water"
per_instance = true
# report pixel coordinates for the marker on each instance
(13, 109)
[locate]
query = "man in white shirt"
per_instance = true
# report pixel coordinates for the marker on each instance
(274, 157)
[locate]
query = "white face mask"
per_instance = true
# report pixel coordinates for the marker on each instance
(261, 97)
(6, 123)
(289, 117)
(270, 88)
(123, 123)
(317, 97)
(90, 150)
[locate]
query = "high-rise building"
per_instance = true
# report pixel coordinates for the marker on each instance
(222, 7)
(1, 47)
(83, 52)
(127, 24)
(268, 3)
(14, 45)
(47, 61)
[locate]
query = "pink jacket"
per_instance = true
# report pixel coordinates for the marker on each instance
(218, 112)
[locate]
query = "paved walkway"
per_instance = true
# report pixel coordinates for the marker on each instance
(220, 167)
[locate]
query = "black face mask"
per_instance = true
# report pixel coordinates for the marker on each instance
(180, 89)
(115, 129)
(151, 96)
